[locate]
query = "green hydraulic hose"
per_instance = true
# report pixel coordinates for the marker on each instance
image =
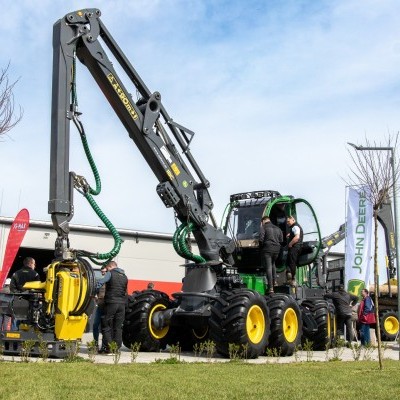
(92, 166)
(180, 244)
(89, 191)
(175, 240)
(111, 228)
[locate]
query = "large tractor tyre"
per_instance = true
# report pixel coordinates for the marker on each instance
(187, 338)
(321, 313)
(240, 318)
(138, 326)
(389, 325)
(286, 324)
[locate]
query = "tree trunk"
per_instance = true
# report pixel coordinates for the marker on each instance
(376, 288)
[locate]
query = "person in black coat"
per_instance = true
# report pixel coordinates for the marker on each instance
(343, 303)
(270, 241)
(115, 298)
(26, 274)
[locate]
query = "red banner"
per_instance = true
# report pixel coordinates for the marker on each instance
(15, 237)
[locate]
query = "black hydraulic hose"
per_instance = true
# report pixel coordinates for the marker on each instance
(91, 287)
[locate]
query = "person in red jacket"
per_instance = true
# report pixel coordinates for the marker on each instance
(366, 317)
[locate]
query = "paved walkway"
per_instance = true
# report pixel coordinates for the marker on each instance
(391, 351)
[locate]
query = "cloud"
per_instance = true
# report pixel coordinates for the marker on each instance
(273, 91)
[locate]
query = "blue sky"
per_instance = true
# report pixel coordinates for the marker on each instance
(273, 90)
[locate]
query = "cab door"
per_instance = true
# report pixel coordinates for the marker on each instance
(305, 216)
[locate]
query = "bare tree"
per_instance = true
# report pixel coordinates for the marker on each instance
(374, 167)
(8, 116)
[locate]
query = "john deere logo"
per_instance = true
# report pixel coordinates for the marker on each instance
(355, 286)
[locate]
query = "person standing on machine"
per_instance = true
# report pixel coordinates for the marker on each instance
(295, 242)
(270, 241)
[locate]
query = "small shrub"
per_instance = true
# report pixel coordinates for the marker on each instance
(209, 347)
(338, 349)
(115, 350)
(297, 353)
(368, 349)
(92, 350)
(238, 352)
(197, 349)
(175, 351)
(327, 348)
(72, 348)
(135, 347)
(356, 351)
(308, 348)
(274, 353)
(26, 349)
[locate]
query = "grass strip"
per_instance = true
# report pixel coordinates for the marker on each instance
(307, 380)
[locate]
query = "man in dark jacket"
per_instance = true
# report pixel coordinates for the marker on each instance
(343, 303)
(114, 305)
(270, 241)
(26, 274)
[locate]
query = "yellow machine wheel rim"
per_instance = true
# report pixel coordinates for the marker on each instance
(255, 324)
(391, 325)
(328, 326)
(334, 327)
(157, 333)
(290, 325)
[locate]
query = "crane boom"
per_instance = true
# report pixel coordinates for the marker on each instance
(181, 186)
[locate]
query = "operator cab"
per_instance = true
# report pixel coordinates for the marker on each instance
(243, 220)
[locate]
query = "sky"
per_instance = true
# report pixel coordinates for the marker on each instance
(273, 90)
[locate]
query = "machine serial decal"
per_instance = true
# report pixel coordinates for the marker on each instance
(170, 174)
(122, 96)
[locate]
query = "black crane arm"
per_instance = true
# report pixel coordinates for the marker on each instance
(78, 35)
(385, 217)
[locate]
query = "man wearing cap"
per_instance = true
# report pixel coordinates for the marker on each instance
(343, 303)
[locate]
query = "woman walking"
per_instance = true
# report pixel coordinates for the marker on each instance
(366, 317)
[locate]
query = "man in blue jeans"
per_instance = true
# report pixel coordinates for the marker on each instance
(99, 310)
